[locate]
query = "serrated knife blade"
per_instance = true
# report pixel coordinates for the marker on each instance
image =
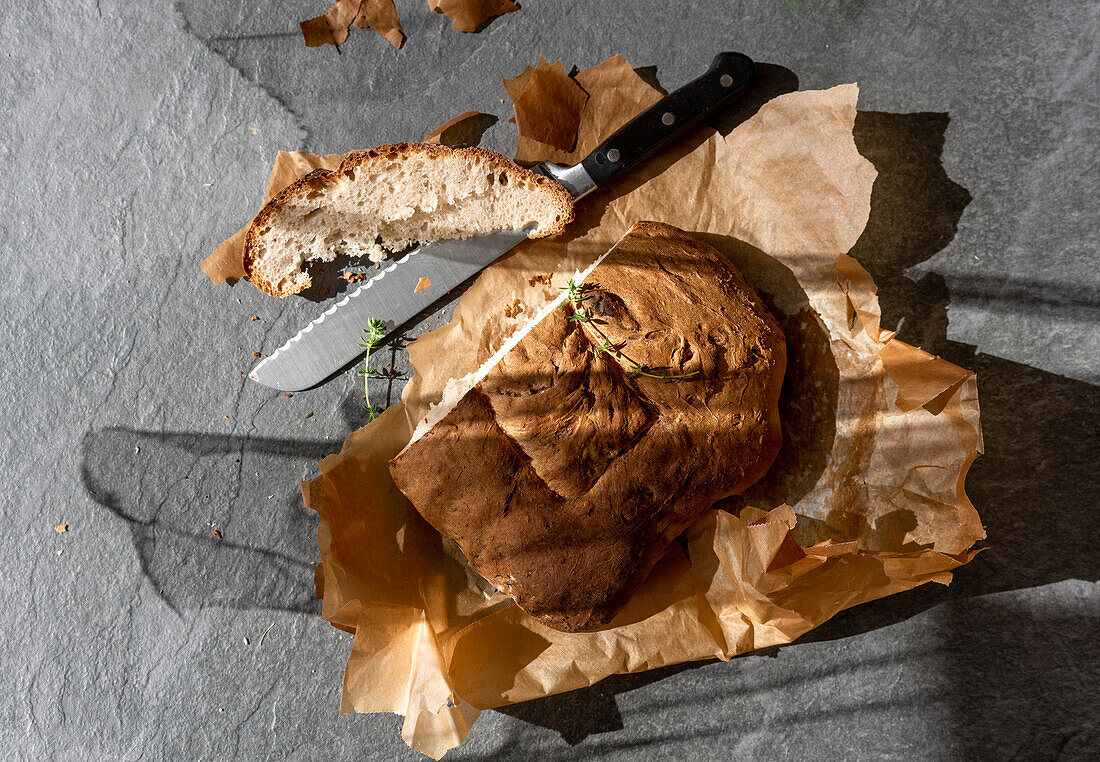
(331, 341)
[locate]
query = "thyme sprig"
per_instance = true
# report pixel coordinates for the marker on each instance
(645, 370)
(575, 296)
(576, 293)
(372, 337)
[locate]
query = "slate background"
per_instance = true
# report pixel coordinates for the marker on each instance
(138, 135)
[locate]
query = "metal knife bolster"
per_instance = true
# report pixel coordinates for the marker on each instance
(574, 179)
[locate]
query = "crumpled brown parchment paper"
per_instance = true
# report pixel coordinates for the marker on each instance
(331, 27)
(548, 104)
(461, 131)
(865, 500)
(470, 15)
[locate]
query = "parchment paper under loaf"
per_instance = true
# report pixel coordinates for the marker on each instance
(865, 500)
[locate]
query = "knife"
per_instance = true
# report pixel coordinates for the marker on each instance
(331, 342)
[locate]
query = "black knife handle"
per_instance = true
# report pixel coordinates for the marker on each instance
(727, 78)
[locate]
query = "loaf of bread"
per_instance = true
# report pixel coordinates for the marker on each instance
(569, 462)
(384, 200)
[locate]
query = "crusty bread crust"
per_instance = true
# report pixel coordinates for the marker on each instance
(563, 476)
(558, 198)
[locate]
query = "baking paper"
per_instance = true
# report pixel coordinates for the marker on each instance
(462, 131)
(548, 104)
(866, 498)
(470, 15)
(331, 28)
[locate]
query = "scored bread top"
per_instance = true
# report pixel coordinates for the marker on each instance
(386, 199)
(563, 473)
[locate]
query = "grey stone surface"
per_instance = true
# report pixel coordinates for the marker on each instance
(138, 135)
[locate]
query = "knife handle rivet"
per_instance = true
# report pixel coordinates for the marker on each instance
(726, 80)
(613, 155)
(668, 118)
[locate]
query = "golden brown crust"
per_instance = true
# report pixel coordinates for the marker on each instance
(319, 178)
(315, 179)
(563, 476)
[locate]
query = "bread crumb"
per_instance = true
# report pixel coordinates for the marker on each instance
(513, 308)
(421, 284)
(226, 417)
(545, 279)
(61, 528)
(288, 395)
(255, 354)
(216, 533)
(254, 317)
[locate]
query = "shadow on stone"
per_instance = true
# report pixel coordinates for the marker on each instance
(180, 496)
(915, 212)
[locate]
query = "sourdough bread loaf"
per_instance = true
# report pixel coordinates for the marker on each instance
(566, 466)
(386, 199)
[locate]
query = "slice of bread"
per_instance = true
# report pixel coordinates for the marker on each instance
(384, 200)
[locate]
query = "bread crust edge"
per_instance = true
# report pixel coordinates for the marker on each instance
(320, 178)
